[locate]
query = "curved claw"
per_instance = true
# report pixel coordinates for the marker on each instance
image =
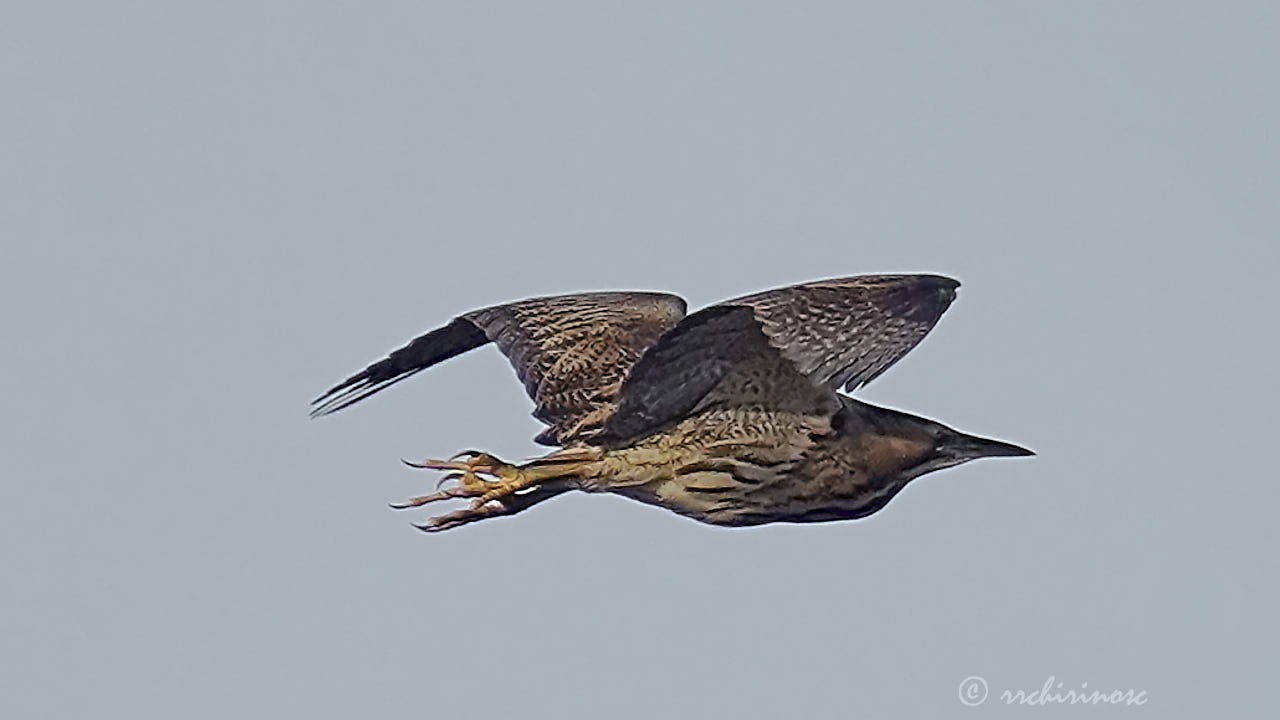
(467, 454)
(413, 502)
(460, 518)
(444, 522)
(433, 497)
(433, 464)
(447, 478)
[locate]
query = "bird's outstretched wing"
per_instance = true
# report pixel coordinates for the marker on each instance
(570, 351)
(840, 332)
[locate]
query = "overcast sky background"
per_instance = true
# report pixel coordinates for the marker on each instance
(211, 214)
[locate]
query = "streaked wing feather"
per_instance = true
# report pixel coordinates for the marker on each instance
(434, 347)
(681, 368)
(841, 332)
(846, 332)
(570, 352)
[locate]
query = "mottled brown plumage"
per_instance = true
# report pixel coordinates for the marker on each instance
(730, 415)
(570, 351)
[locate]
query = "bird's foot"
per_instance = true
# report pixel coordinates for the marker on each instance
(468, 483)
(463, 517)
(512, 488)
(489, 497)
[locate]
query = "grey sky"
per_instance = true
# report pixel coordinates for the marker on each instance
(211, 214)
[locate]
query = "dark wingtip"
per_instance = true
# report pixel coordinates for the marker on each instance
(924, 298)
(330, 401)
(440, 344)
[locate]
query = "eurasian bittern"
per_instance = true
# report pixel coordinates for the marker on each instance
(731, 415)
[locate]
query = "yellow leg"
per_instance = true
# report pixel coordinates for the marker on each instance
(510, 479)
(513, 488)
(509, 505)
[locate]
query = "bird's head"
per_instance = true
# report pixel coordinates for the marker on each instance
(952, 447)
(918, 445)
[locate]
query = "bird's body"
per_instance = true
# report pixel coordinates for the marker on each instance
(748, 467)
(730, 416)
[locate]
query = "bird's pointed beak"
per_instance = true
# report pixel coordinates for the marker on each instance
(973, 447)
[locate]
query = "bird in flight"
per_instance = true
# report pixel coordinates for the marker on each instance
(731, 415)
